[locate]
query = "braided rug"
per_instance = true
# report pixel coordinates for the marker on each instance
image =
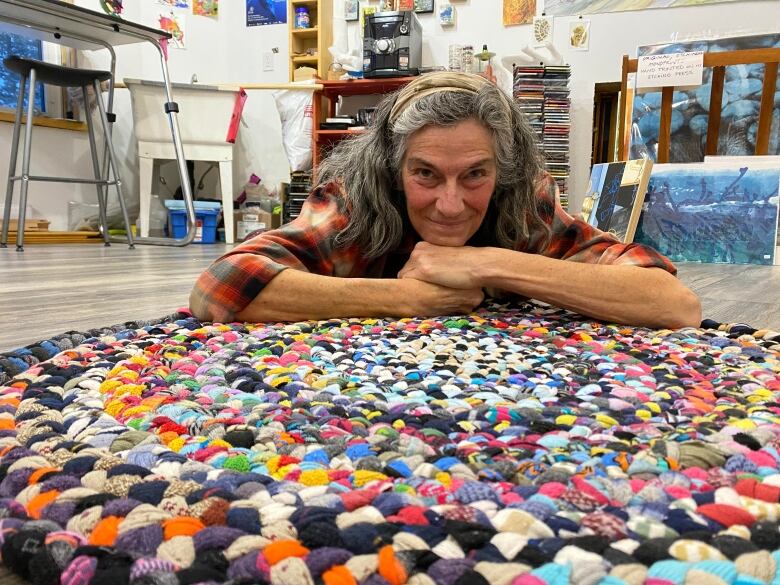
(518, 445)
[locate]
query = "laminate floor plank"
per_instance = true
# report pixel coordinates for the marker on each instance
(49, 289)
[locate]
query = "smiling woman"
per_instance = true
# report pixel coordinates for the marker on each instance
(442, 200)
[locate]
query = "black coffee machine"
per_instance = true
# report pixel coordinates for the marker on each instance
(392, 44)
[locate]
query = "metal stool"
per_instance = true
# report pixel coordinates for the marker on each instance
(32, 70)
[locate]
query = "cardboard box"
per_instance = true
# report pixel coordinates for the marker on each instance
(250, 220)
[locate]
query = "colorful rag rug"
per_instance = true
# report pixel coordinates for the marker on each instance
(514, 446)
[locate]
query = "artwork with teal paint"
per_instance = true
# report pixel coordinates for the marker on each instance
(712, 212)
(740, 107)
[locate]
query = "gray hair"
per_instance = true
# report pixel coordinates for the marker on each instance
(368, 167)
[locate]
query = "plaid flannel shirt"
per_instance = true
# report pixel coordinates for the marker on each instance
(308, 244)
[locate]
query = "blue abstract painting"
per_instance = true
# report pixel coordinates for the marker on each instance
(740, 106)
(11, 44)
(720, 213)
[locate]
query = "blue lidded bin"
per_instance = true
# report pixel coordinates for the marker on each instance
(206, 216)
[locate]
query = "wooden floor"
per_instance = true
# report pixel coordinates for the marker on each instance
(50, 289)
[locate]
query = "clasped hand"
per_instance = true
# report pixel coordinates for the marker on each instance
(443, 278)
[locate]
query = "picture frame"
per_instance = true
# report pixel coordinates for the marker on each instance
(351, 10)
(424, 6)
(615, 196)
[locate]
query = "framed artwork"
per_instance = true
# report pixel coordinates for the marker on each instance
(543, 30)
(615, 196)
(387, 5)
(351, 10)
(405, 5)
(518, 11)
(423, 6)
(205, 8)
(448, 14)
(712, 212)
(579, 34)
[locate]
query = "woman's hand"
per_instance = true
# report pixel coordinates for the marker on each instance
(453, 267)
(425, 299)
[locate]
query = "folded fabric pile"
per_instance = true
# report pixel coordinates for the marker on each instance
(514, 446)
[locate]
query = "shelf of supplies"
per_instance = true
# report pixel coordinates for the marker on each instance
(336, 134)
(304, 33)
(313, 59)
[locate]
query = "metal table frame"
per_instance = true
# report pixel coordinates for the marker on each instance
(58, 22)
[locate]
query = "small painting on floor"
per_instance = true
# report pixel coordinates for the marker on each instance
(704, 212)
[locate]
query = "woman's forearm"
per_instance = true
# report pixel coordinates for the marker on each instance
(618, 293)
(294, 295)
(297, 296)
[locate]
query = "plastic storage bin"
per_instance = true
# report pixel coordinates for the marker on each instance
(206, 215)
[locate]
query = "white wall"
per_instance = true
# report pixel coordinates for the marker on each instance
(225, 50)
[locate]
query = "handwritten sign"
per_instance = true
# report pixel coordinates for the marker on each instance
(677, 69)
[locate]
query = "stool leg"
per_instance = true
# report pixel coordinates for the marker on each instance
(26, 163)
(145, 174)
(101, 189)
(112, 158)
(9, 191)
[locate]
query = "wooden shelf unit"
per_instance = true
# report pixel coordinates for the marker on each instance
(309, 46)
(330, 92)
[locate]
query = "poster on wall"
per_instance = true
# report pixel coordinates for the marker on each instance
(576, 7)
(262, 12)
(174, 3)
(705, 212)
(579, 34)
(740, 108)
(351, 10)
(423, 6)
(173, 23)
(205, 8)
(519, 11)
(543, 30)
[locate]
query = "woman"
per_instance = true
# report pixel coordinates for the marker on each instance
(443, 198)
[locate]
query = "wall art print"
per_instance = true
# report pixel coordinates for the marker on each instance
(518, 12)
(708, 212)
(264, 12)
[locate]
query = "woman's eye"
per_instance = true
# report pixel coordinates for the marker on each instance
(477, 174)
(425, 173)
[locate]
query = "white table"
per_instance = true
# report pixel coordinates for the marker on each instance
(58, 22)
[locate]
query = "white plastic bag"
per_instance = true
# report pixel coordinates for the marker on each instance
(295, 112)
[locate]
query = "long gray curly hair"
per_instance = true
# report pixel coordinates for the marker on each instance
(369, 166)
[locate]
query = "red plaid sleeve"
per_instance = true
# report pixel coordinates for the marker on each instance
(307, 244)
(576, 240)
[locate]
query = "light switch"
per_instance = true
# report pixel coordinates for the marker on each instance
(268, 61)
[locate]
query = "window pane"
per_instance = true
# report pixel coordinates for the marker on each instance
(11, 44)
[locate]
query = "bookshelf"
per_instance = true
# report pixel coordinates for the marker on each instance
(542, 92)
(309, 46)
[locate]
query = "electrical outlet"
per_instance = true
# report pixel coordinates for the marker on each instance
(268, 61)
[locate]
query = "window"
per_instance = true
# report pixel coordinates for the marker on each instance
(11, 44)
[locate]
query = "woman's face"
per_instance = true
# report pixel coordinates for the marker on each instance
(448, 176)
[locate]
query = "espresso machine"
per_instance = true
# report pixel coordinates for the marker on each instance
(392, 44)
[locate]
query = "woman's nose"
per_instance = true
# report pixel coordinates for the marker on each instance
(450, 201)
